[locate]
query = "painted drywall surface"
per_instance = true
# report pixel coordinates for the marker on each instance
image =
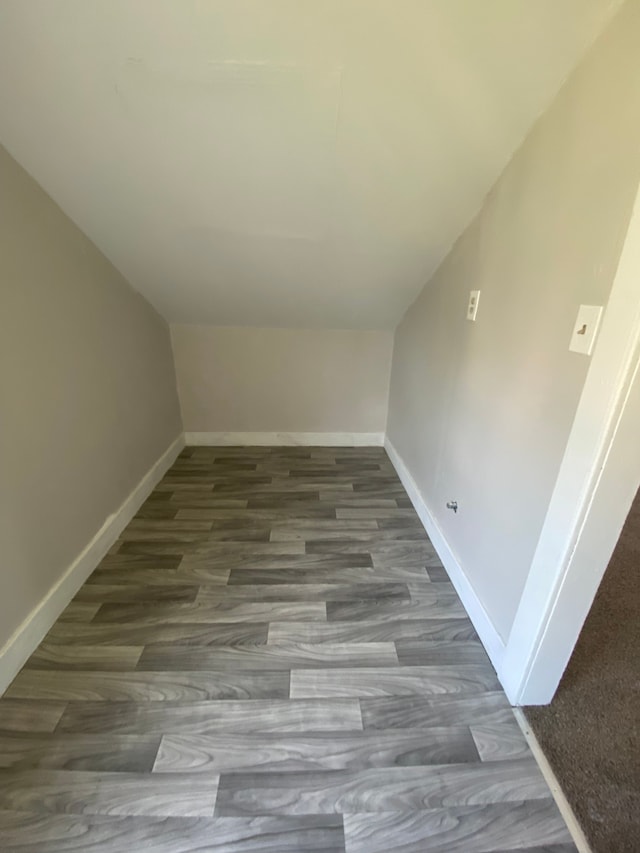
(277, 162)
(87, 392)
(282, 380)
(481, 412)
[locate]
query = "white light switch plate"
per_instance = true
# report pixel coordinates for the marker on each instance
(585, 329)
(472, 307)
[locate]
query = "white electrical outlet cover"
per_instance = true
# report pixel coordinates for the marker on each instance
(585, 329)
(472, 308)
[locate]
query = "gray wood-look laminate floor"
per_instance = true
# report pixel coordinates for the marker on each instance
(271, 658)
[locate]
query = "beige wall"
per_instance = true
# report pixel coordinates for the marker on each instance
(481, 413)
(87, 392)
(282, 380)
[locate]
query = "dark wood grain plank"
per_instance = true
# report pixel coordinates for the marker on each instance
(403, 552)
(211, 612)
(79, 611)
(207, 550)
(269, 657)
(185, 634)
(414, 652)
(125, 592)
(437, 606)
(85, 657)
(133, 562)
(25, 715)
(112, 753)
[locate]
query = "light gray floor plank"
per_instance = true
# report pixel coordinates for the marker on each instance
(84, 792)
(20, 715)
(24, 832)
(423, 712)
(392, 681)
(304, 592)
(167, 578)
(453, 630)
(391, 789)
(376, 512)
(203, 552)
(466, 829)
(356, 536)
(381, 559)
(499, 741)
(280, 560)
(348, 500)
(212, 717)
(269, 657)
(334, 751)
(219, 516)
(177, 685)
(311, 528)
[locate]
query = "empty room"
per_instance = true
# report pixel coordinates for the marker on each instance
(319, 418)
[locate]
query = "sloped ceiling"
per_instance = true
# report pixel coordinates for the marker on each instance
(279, 162)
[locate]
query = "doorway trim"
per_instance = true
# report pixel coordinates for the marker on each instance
(597, 481)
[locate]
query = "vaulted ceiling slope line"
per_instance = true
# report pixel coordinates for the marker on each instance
(277, 162)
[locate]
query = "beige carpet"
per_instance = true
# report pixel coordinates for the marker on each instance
(591, 731)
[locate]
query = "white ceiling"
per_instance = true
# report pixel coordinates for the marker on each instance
(279, 162)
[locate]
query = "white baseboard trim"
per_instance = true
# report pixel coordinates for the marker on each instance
(491, 639)
(566, 811)
(285, 439)
(26, 638)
